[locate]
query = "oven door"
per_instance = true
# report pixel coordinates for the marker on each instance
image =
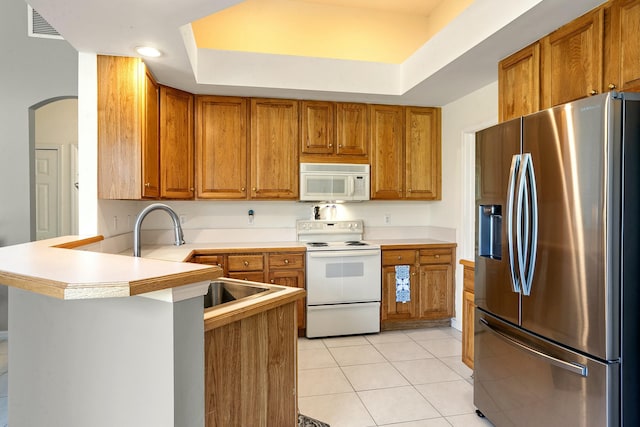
(343, 276)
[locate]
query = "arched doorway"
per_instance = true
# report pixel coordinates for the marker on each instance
(53, 140)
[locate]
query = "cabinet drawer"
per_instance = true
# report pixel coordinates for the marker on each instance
(286, 260)
(209, 259)
(252, 276)
(395, 257)
(435, 256)
(245, 262)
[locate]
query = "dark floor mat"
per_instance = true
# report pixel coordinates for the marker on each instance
(304, 421)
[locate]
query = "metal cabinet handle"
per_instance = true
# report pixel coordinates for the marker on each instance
(330, 145)
(242, 189)
(399, 256)
(246, 263)
(273, 281)
(437, 256)
(612, 86)
(147, 184)
(593, 92)
(286, 261)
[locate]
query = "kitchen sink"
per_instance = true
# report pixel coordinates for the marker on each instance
(226, 291)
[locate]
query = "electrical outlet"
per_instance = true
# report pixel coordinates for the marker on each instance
(251, 216)
(387, 218)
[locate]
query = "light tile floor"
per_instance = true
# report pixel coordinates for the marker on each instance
(412, 378)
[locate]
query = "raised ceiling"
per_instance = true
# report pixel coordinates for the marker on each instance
(375, 30)
(459, 56)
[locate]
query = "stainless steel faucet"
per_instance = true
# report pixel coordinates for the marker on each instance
(143, 213)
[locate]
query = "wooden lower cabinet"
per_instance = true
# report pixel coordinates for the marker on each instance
(288, 269)
(285, 268)
(432, 285)
(468, 307)
(250, 371)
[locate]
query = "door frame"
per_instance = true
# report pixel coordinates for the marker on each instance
(32, 161)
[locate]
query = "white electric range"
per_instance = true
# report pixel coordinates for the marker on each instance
(343, 278)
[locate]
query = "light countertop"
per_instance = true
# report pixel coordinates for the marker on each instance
(63, 273)
(184, 252)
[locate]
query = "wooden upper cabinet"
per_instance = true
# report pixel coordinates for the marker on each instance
(333, 132)
(622, 67)
(274, 149)
(150, 138)
(519, 83)
(352, 135)
(387, 153)
(572, 60)
(221, 147)
(423, 170)
(317, 121)
(176, 144)
(119, 127)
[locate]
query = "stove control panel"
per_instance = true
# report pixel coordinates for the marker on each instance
(326, 226)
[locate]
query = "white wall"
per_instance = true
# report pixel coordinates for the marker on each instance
(33, 70)
(460, 119)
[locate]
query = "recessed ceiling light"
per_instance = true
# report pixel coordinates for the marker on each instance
(148, 51)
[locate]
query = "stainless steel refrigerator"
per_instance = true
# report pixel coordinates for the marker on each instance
(557, 283)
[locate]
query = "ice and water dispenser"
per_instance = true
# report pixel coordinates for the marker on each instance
(490, 231)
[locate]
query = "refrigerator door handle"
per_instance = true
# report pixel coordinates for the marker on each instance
(533, 206)
(522, 220)
(515, 163)
(572, 367)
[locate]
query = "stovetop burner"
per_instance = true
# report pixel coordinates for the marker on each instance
(317, 244)
(355, 243)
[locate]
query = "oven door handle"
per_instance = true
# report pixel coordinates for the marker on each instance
(342, 254)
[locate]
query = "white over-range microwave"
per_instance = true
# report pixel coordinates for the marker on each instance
(321, 182)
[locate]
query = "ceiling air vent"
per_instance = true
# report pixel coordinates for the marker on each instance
(39, 27)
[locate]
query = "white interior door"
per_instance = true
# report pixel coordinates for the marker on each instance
(47, 193)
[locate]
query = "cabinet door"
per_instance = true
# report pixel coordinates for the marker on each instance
(176, 143)
(274, 149)
(387, 154)
(436, 292)
(294, 279)
(392, 310)
(317, 131)
(519, 83)
(572, 60)
(221, 147)
(467, 328)
(119, 127)
(423, 173)
(625, 46)
(150, 138)
(352, 136)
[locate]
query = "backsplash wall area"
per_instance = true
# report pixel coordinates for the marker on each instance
(272, 220)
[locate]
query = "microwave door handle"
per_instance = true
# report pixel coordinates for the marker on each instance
(351, 185)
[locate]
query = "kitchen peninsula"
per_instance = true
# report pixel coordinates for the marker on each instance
(101, 339)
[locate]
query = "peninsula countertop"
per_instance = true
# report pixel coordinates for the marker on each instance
(50, 268)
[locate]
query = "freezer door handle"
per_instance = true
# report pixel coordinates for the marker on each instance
(573, 367)
(515, 163)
